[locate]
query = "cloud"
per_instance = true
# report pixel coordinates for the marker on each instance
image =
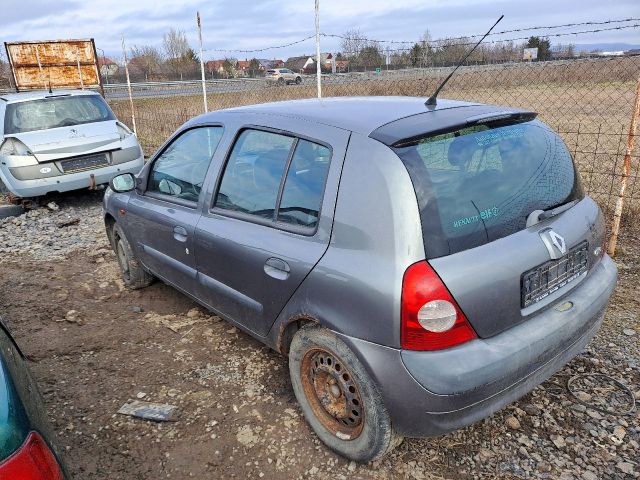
(244, 24)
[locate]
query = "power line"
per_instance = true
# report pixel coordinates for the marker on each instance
(260, 49)
(550, 27)
(445, 41)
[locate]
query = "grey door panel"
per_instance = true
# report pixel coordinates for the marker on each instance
(163, 235)
(248, 270)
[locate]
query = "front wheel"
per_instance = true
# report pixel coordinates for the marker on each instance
(337, 396)
(134, 276)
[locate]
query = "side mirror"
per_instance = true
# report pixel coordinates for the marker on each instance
(124, 182)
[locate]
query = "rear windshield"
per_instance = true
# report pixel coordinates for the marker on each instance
(480, 183)
(55, 112)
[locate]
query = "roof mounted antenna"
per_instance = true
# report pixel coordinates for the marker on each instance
(433, 99)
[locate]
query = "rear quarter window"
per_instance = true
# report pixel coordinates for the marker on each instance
(480, 183)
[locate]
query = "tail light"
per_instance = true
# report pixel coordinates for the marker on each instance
(32, 461)
(431, 319)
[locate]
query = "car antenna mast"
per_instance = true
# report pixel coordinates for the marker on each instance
(433, 99)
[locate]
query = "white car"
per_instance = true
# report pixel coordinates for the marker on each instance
(61, 141)
(282, 76)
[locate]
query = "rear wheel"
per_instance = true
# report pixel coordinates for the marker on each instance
(338, 398)
(133, 274)
(280, 81)
(298, 80)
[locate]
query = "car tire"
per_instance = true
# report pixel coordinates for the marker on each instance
(281, 82)
(133, 274)
(298, 80)
(338, 397)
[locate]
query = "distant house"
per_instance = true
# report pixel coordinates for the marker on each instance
(298, 64)
(107, 66)
(215, 67)
(266, 64)
(342, 66)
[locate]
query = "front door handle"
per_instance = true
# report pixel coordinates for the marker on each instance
(277, 268)
(180, 233)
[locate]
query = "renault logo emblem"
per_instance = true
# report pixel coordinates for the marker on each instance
(558, 241)
(555, 243)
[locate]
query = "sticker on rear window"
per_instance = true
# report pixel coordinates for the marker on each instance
(484, 215)
(490, 137)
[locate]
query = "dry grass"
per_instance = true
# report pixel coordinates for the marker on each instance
(589, 102)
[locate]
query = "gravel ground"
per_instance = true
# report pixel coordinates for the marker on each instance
(94, 345)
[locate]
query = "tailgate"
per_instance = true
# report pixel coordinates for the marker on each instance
(502, 283)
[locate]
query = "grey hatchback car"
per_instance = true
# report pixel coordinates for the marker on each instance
(422, 267)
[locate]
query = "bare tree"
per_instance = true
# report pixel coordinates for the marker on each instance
(175, 44)
(178, 52)
(352, 43)
(145, 59)
(426, 49)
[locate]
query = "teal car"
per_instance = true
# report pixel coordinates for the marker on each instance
(27, 451)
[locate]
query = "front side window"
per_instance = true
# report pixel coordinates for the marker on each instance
(54, 112)
(181, 169)
(275, 177)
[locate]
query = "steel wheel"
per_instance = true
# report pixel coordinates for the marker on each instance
(333, 394)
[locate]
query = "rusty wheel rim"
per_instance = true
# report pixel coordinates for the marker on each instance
(332, 393)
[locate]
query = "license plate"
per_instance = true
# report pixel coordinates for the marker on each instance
(543, 280)
(84, 163)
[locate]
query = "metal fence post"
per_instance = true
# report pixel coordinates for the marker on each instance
(204, 86)
(126, 69)
(318, 71)
(626, 170)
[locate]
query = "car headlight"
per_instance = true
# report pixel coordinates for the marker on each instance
(13, 146)
(123, 130)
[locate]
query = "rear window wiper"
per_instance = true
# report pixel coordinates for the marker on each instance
(557, 210)
(538, 216)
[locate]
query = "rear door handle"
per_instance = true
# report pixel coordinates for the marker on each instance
(277, 268)
(180, 233)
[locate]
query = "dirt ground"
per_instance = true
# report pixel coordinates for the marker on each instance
(93, 345)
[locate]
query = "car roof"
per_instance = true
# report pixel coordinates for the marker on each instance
(358, 114)
(40, 94)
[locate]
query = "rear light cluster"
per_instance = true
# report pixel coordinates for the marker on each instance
(33, 461)
(431, 319)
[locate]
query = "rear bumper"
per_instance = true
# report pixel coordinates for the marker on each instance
(64, 183)
(432, 393)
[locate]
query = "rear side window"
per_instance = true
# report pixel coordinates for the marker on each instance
(304, 186)
(276, 178)
(480, 183)
(55, 112)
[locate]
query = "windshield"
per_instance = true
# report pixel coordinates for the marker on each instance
(55, 112)
(480, 183)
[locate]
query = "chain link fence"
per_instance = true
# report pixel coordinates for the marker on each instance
(589, 101)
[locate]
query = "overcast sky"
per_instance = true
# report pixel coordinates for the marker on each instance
(245, 24)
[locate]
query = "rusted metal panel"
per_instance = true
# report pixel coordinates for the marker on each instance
(54, 63)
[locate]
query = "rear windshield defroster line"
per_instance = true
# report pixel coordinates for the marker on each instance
(479, 183)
